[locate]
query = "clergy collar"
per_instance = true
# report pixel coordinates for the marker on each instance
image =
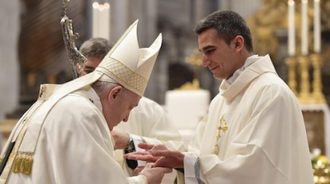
(94, 98)
(89, 93)
(255, 69)
(247, 63)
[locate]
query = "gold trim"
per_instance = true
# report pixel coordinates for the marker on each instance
(124, 74)
(15, 158)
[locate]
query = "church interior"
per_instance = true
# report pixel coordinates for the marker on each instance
(296, 35)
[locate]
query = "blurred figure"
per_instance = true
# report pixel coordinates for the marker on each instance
(148, 122)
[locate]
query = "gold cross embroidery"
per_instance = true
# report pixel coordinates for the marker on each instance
(224, 128)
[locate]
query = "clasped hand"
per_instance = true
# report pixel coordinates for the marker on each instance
(159, 155)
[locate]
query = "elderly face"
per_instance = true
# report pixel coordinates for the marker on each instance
(118, 105)
(219, 57)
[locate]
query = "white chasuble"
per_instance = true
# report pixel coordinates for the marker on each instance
(265, 140)
(74, 144)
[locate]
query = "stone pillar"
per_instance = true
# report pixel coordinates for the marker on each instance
(9, 70)
(119, 14)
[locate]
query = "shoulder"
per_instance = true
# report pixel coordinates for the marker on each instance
(73, 103)
(270, 82)
(75, 109)
(269, 89)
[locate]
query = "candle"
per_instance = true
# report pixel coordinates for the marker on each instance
(304, 27)
(291, 28)
(317, 25)
(95, 19)
(106, 22)
(101, 20)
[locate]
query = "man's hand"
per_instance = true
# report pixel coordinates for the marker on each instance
(159, 154)
(121, 139)
(154, 174)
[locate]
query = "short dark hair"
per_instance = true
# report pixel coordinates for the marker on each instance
(96, 47)
(228, 24)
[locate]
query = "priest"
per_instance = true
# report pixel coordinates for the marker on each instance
(254, 132)
(148, 122)
(65, 136)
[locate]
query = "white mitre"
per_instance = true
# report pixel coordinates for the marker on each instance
(125, 63)
(128, 64)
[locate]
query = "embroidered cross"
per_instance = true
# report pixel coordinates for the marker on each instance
(223, 128)
(220, 128)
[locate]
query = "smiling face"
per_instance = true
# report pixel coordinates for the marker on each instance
(220, 58)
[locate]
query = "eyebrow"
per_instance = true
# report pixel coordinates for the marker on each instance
(207, 47)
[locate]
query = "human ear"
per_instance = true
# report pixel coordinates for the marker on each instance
(115, 92)
(238, 42)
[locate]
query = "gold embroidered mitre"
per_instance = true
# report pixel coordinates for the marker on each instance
(128, 64)
(125, 63)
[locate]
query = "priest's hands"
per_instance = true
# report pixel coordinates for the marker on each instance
(159, 154)
(154, 174)
(121, 139)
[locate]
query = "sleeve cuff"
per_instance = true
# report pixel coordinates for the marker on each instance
(192, 170)
(137, 140)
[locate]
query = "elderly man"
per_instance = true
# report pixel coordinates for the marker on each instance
(148, 122)
(65, 136)
(254, 132)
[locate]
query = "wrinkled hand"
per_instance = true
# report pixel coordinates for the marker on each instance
(121, 139)
(159, 154)
(154, 175)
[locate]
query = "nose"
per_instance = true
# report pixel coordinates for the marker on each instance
(205, 60)
(126, 118)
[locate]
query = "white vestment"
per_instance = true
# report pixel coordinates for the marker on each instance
(74, 145)
(150, 123)
(265, 140)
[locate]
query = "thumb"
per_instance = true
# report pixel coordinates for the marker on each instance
(167, 170)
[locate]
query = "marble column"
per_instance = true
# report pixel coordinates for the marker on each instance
(9, 70)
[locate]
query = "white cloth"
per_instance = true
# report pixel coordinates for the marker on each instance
(75, 146)
(150, 123)
(266, 139)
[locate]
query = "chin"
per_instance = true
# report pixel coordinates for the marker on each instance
(115, 124)
(218, 77)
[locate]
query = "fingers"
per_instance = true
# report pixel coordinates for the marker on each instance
(145, 146)
(164, 170)
(134, 155)
(161, 153)
(137, 154)
(167, 170)
(142, 157)
(139, 168)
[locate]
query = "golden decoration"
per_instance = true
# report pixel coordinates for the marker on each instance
(195, 60)
(23, 163)
(318, 96)
(308, 93)
(220, 128)
(291, 62)
(321, 170)
(304, 96)
(272, 17)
